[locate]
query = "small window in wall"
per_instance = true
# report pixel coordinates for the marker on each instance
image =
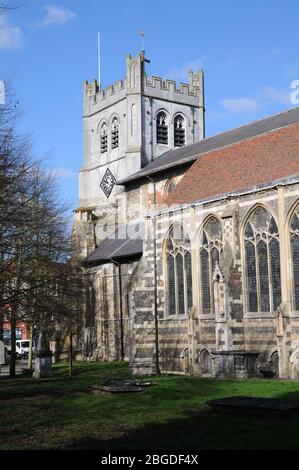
(179, 131)
(104, 138)
(169, 187)
(162, 128)
(114, 134)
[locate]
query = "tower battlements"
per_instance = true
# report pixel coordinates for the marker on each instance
(138, 82)
(188, 89)
(93, 89)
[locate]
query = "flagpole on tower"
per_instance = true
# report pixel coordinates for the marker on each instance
(142, 41)
(99, 60)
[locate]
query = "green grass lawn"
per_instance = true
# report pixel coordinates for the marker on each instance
(62, 413)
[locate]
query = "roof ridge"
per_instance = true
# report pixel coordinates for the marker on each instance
(243, 126)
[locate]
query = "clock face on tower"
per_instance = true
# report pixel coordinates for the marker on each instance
(107, 182)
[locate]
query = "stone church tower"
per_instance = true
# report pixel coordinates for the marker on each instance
(120, 132)
(126, 127)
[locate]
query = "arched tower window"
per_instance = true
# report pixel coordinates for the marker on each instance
(262, 262)
(114, 133)
(294, 235)
(179, 271)
(162, 128)
(104, 138)
(179, 131)
(211, 247)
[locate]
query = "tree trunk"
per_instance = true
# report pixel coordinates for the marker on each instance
(30, 348)
(71, 356)
(1, 325)
(13, 325)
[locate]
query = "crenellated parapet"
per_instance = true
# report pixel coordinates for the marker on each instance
(94, 96)
(187, 89)
(137, 82)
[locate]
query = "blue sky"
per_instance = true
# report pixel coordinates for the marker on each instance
(249, 51)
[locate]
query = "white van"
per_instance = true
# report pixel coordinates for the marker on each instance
(22, 348)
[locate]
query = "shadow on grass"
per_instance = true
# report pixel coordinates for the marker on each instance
(61, 384)
(202, 430)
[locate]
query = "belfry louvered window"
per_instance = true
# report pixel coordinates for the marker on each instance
(104, 138)
(211, 247)
(114, 133)
(179, 271)
(162, 128)
(294, 234)
(262, 262)
(179, 131)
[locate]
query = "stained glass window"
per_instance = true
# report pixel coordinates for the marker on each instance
(171, 283)
(211, 246)
(179, 271)
(251, 277)
(294, 233)
(262, 259)
(205, 280)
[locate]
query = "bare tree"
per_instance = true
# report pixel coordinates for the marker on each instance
(37, 282)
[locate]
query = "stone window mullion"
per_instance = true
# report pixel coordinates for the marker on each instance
(257, 274)
(271, 300)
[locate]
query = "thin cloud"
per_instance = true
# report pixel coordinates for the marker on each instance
(292, 70)
(55, 16)
(11, 36)
(181, 72)
(264, 98)
(64, 173)
(274, 95)
(239, 105)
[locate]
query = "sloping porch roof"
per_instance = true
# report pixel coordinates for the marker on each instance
(123, 245)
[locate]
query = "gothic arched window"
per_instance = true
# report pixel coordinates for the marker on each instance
(104, 138)
(262, 262)
(211, 247)
(114, 133)
(179, 131)
(179, 271)
(294, 234)
(162, 128)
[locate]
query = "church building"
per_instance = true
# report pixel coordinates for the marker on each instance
(190, 245)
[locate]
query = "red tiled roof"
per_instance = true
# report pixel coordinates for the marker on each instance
(240, 166)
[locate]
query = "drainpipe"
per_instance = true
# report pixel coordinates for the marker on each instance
(155, 283)
(152, 130)
(122, 349)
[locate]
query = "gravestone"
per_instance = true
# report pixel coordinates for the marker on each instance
(2, 354)
(43, 358)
